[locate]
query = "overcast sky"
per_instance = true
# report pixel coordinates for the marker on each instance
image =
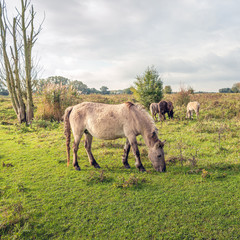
(109, 42)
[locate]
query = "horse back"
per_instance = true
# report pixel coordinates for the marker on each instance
(163, 107)
(104, 121)
(193, 106)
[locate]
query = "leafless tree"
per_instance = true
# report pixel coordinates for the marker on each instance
(16, 57)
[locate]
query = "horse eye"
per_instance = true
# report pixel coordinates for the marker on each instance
(159, 156)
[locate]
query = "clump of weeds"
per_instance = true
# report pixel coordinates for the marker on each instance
(132, 181)
(212, 175)
(98, 177)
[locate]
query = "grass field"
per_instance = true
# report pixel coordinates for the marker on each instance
(197, 198)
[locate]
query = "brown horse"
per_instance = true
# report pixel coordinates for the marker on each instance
(170, 109)
(110, 122)
(162, 109)
(165, 107)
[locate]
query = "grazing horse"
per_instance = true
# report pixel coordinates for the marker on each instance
(162, 109)
(109, 122)
(154, 110)
(165, 107)
(192, 106)
(170, 109)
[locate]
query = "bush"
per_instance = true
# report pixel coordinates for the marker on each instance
(149, 87)
(183, 97)
(55, 99)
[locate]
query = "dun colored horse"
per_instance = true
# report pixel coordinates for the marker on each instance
(110, 122)
(193, 106)
(154, 110)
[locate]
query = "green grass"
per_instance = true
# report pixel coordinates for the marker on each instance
(197, 198)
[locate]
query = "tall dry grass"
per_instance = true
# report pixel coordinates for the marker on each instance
(54, 100)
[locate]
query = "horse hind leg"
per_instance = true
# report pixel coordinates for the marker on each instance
(125, 154)
(75, 149)
(88, 146)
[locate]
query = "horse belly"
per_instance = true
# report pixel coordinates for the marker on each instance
(106, 129)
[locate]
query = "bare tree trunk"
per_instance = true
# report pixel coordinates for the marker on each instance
(27, 44)
(26, 37)
(13, 84)
(21, 108)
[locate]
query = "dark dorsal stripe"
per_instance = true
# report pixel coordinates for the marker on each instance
(129, 104)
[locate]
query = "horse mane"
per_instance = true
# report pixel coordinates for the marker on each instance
(145, 114)
(129, 104)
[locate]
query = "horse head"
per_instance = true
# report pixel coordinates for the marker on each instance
(156, 156)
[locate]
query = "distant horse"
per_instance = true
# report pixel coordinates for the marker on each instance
(192, 106)
(170, 109)
(154, 110)
(165, 107)
(110, 122)
(162, 109)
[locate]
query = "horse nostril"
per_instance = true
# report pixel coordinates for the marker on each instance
(162, 169)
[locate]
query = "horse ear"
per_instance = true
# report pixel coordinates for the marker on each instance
(163, 143)
(160, 144)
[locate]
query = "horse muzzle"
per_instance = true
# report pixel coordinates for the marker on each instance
(161, 169)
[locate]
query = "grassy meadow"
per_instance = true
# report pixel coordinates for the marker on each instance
(197, 198)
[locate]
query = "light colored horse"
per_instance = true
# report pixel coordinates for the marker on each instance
(193, 106)
(154, 110)
(108, 122)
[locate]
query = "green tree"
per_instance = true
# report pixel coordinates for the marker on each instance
(94, 90)
(149, 87)
(127, 91)
(80, 87)
(225, 90)
(236, 88)
(3, 89)
(56, 80)
(167, 89)
(104, 90)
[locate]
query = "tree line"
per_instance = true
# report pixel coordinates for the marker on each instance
(235, 89)
(77, 85)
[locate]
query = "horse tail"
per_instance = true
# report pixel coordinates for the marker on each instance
(198, 107)
(67, 131)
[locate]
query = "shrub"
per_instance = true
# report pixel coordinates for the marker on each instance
(55, 99)
(183, 97)
(149, 87)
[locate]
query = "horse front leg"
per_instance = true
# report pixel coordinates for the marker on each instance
(138, 163)
(169, 115)
(125, 154)
(88, 147)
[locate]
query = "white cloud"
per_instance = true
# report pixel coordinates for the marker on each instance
(103, 42)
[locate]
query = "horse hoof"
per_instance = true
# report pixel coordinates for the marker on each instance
(77, 168)
(142, 169)
(127, 166)
(97, 166)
